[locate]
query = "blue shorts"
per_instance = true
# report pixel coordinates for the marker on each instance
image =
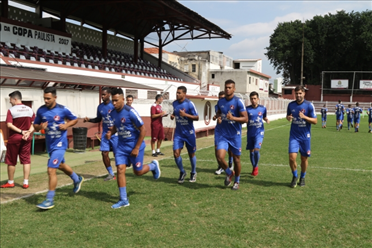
(190, 141)
(357, 120)
(216, 135)
(302, 145)
(107, 144)
(349, 119)
(56, 157)
(370, 120)
(324, 118)
(124, 157)
(234, 145)
(339, 117)
(254, 142)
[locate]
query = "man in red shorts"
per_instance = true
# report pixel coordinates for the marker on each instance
(19, 120)
(157, 133)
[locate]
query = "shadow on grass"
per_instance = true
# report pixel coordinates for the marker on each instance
(259, 182)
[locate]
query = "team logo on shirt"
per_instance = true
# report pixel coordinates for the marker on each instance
(260, 144)
(109, 111)
(138, 164)
(55, 161)
(259, 113)
(122, 120)
(303, 111)
(232, 106)
(57, 118)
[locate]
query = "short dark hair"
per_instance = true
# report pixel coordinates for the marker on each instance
(221, 93)
(117, 91)
(300, 88)
(158, 96)
(107, 89)
(349, 105)
(357, 103)
(129, 96)
(339, 101)
(183, 88)
(52, 90)
(254, 93)
(16, 95)
(229, 81)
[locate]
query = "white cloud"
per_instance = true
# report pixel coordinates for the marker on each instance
(252, 48)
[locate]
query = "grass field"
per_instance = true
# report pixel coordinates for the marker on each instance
(332, 210)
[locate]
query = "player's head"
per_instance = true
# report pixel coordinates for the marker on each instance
(254, 97)
(357, 104)
(181, 93)
(229, 87)
(15, 97)
(349, 105)
(117, 98)
(300, 93)
(159, 98)
(339, 101)
(221, 94)
(129, 100)
(324, 105)
(106, 94)
(50, 97)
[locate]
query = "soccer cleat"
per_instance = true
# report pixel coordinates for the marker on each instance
(254, 171)
(47, 204)
(235, 186)
(369, 131)
(160, 153)
(156, 173)
(181, 179)
(218, 171)
(231, 166)
(120, 204)
(302, 182)
(229, 178)
(25, 186)
(7, 185)
(192, 177)
(351, 125)
(77, 185)
(110, 177)
(154, 155)
(294, 182)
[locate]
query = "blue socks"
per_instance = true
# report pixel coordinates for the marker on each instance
(303, 174)
(74, 177)
(193, 164)
(152, 166)
(228, 171)
(237, 179)
(231, 159)
(295, 173)
(50, 194)
(256, 155)
(123, 193)
(109, 169)
(251, 155)
(179, 163)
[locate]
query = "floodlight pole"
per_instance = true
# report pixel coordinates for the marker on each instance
(321, 95)
(352, 89)
(302, 55)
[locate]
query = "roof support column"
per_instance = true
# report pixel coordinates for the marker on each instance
(142, 42)
(104, 42)
(4, 8)
(135, 49)
(160, 57)
(39, 10)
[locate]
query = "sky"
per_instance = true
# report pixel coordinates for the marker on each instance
(252, 22)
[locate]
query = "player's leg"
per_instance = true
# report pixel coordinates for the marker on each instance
(178, 143)
(370, 125)
(231, 160)
(191, 149)
(293, 148)
(25, 159)
(12, 151)
(77, 179)
(235, 148)
(140, 169)
(121, 161)
(105, 150)
(216, 138)
(160, 140)
(305, 152)
(154, 138)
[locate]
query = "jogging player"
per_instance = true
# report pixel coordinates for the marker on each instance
(103, 114)
(369, 112)
(323, 112)
(131, 146)
(255, 129)
(185, 113)
(51, 118)
(157, 132)
(339, 114)
(302, 114)
(350, 116)
(357, 113)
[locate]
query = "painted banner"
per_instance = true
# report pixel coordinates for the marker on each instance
(365, 85)
(32, 37)
(339, 83)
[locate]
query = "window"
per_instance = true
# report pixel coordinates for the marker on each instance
(256, 81)
(287, 92)
(193, 67)
(249, 80)
(212, 75)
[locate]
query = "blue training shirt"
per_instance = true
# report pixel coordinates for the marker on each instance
(103, 113)
(55, 139)
(184, 125)
(349, 113)
(357, 112)
(370, 113)
(127, 121)
(217, 128)
(230, 129)
(340, 109)
(300, 129)
(255, 120)
(324, 111)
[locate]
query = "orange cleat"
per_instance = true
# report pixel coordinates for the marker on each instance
(7, 185)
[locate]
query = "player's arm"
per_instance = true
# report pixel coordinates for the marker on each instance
(266, 120)
(310, 120)
(243, 117)
(111, 131)
(141, 136)
(69, 123)
(93, 120)
(14, 128)
(192, 117)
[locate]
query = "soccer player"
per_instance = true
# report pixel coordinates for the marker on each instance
(255, 129)
(19, 120)
(217, 134)
(339, 114)
(231, 115)
(185, 113)
(103, 114)
(157, 132)
(129, 100)
(51, 118)
(350, 116)
(369, 112)
(302, 114)
(357, 113)
(323, 112)
(131, 146)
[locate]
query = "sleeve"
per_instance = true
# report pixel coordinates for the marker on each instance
(9, 117)
(265, 112)
(192, 108)
(33, 117)
(216, 108)
(38, 117)
(312, 111)
(99, 116)
(135, 118)
(153, 110)
(288, 110)
(69, 115)
(241, 106)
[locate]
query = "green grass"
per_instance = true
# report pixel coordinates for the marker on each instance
(332, 210)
